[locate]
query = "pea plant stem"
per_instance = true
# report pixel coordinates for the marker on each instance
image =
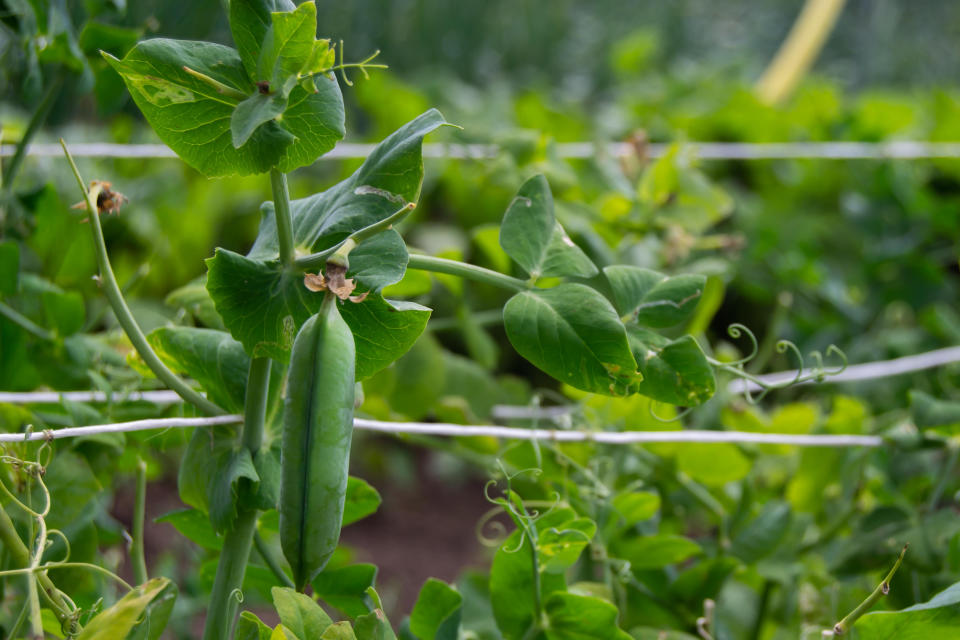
(270, 559)
(25, 323)
(467, 271)
(137, 558)
(238, 541)
(108, 282)
(36, 121)
(281, 205)
(882, 589)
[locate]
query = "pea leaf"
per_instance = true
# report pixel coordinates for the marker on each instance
(212, 358)
(656, 552)
(346, 587)
(146, 607)
(575, 617)
(560, 547)
(223, 489)
(930, 412)
(339, 631)
(762, 535)
(193, 525)
(388, 179)
(299, 613)
(250, 627)
(436, 614)
(936, 619)
(361, 500)
(287, 47)
(531, 235)
(249, 22)
(572, 333)
(651, 298)
(674, 371)
(194, 117)
(373, 626)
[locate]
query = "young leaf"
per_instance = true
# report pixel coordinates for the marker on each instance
(194, 525)
(339, 631)
(674, 371)
(559, 547)
(651, 298)
(249, 22)
(572, 333)
(531, 235)
(436, 614)
(141, 614)
(253, 112)
(287, 47)
(299, 613)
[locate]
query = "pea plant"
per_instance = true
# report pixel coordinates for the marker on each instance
(304, 321)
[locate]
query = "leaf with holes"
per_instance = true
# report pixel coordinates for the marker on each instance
(674, 371)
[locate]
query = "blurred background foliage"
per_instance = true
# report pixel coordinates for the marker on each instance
(862, 254)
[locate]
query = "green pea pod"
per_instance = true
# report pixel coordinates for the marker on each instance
(317, 429)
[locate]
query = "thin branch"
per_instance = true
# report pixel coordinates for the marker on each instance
(882, 589)
(111, 290)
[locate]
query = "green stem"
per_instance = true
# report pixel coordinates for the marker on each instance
(36, 620)
(24, 612)
(238, 541)
(271, 561)
(21, 556)
(467, 271)
(25, 323)
(39, 117)
(281, 205)
(137, 558)
(882, 589)
(761, 610)
(111, 290)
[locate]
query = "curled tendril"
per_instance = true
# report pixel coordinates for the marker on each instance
(659, 418)
(736, 330)
(817, 373)
(498, 532)
(66, 543)
(238, 595)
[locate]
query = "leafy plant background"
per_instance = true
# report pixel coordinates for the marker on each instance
(860, 254)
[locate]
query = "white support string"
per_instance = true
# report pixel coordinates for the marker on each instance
(161, 397)
(514, 433)
(901, 150)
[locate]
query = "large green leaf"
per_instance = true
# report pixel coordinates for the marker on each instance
(531, 235)
(266, 324)
(223, 490)
(937, 619)
(212, 358)
(651, 298)
(193, 116)
(674, 371)
(389, 178)
(573, 333)
(575, 617)
(142, 613)
(436, 614)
